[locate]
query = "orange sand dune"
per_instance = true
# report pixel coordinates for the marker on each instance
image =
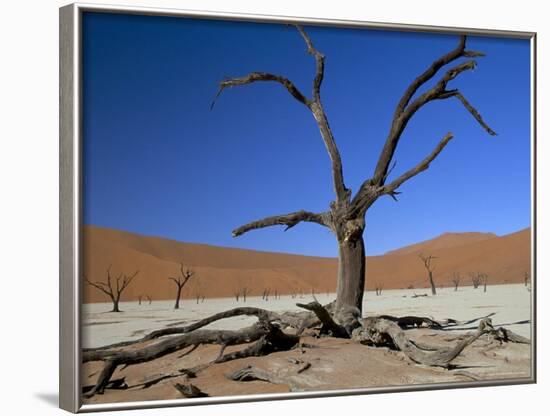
(219, 271)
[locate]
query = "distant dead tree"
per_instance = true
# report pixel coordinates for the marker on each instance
(476, 279)
(113, 287)
(198, 291)
(378, 288)
(526, 279)
(245, 291)
(180, 281)
(139, 299)
(241, 290)
(149, 299)
(455, 279)
(427, 261)
(265, 294)
(484, 278)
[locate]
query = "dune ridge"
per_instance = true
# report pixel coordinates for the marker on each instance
(220, 271)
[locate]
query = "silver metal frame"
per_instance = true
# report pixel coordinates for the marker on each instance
(70, 265)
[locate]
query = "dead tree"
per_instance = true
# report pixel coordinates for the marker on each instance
(476, 279)
(265, 294)
(113, 287)
(345, 216)
(149, 299)
(455, 279)
(140, 297)
(427, 261)
(198, 291)
(484, 278)
(245, 291)
(526, 279)
(378, 288)
(180, 281)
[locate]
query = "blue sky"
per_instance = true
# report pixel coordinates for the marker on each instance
(157, 161)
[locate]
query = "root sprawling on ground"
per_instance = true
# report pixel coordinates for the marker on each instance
(275, 332)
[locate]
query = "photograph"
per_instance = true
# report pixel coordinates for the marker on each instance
(282, 207)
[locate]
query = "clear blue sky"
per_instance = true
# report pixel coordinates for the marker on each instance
(157, 161)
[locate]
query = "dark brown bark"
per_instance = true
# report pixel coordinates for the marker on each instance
(350, 285)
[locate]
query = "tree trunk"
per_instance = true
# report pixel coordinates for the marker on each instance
(115, 306)
(351, 273)
(177, 305)
(432, 284)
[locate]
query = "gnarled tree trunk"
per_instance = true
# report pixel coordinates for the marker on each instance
(351, 273)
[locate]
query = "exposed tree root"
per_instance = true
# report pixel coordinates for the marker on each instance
(266, 337)
(383, 332)
(294, 320)
(249, 373)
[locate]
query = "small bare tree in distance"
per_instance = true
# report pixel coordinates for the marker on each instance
(455, 279)
(484, 278)
(113, 287)
(180, 281)
(245, 292)
(476, 279)
(427, 261)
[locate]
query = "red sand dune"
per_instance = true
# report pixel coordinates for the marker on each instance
(219, 271)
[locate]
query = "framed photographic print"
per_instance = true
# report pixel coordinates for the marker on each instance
(260, 207)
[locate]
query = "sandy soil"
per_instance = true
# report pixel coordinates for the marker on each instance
(335, 363)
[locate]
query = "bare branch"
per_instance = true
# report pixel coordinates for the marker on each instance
(429, 73)
(427, 260)
(126, 281)
(422, 166)
(100, 286)
(290, 220)
(319, 64)
(314, 104)
(473, 112)
(261, 77)
(342, 193)
(406, 109)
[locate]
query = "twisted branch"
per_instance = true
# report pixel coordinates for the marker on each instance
(289, 220)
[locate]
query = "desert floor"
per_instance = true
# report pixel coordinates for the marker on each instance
(335, 363)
